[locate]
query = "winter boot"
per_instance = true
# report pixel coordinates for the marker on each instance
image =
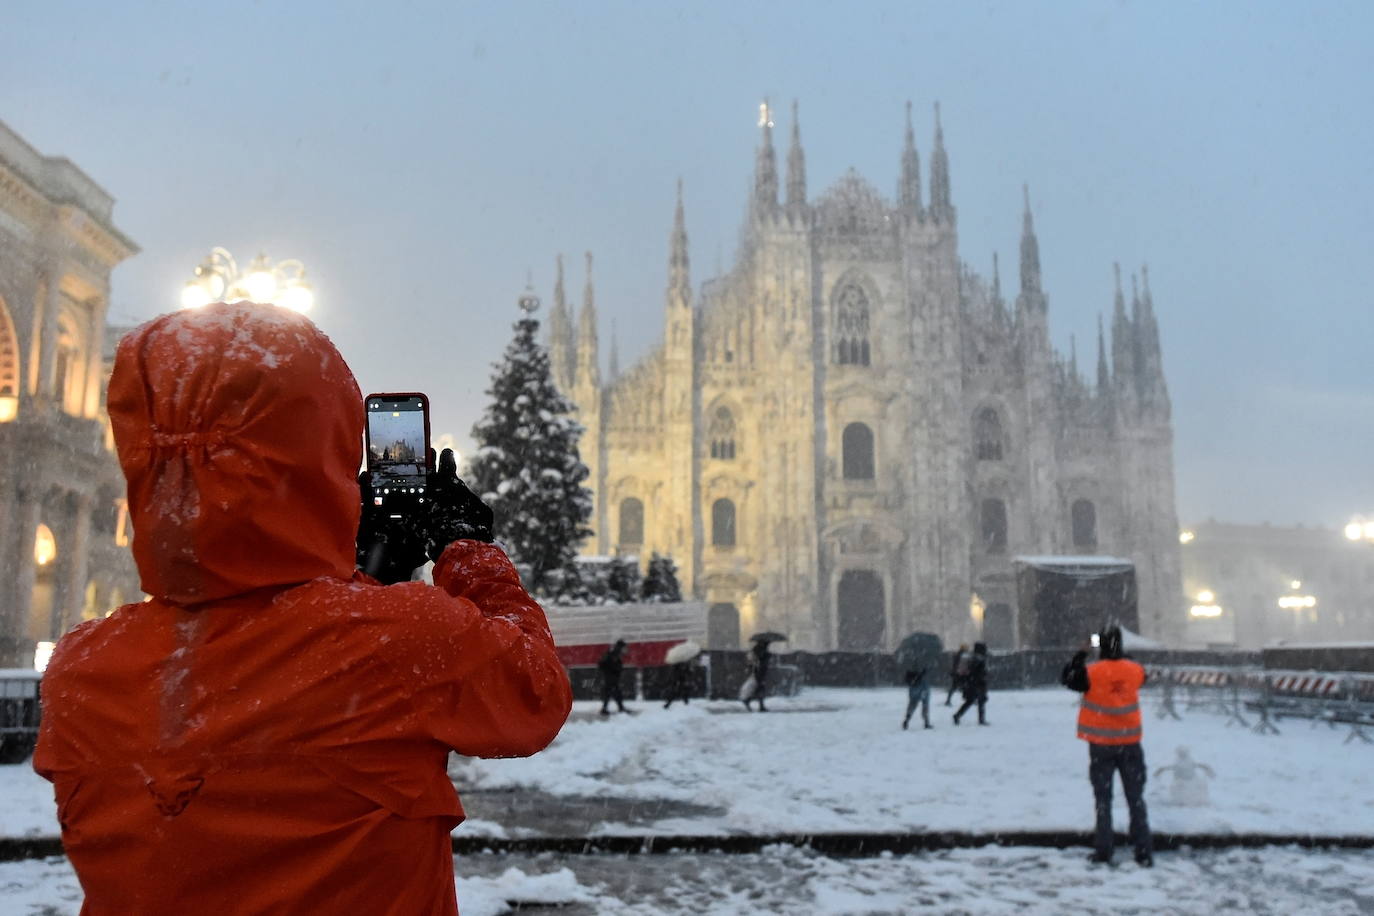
(1144, 860)
(904, 724)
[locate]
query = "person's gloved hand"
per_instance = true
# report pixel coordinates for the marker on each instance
(454, 512)
(388, 549)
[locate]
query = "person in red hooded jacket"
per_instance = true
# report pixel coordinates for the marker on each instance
(269, 733)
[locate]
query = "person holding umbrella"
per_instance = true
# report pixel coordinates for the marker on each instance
(758, 660)
(683, 658)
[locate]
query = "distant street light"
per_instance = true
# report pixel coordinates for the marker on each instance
(1360, 529)
(217, 279)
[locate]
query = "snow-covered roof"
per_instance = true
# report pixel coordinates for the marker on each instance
(1097, 563)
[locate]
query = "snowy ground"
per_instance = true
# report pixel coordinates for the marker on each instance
(836, 760)
(1274, 882)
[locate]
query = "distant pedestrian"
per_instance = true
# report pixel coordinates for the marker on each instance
(1109, 720)
(975, 684)
(758, 659)
(611, 666)
(680, 682)
(917, 691)
(957, 669)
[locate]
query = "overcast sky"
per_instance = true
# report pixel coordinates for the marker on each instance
(420, 157)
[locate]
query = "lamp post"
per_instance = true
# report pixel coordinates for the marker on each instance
(218, 278)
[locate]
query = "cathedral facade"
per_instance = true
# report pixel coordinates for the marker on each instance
(850, 434)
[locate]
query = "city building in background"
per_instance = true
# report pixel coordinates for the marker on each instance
(1255, 585)
(64, 538)
(849, 435)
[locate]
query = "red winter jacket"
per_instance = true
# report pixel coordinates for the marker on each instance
(270, 733)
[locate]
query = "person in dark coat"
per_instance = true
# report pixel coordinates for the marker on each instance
(611, 665)
(917, 691)
(758, 659)
(957, 669)
(976, 684)
(1109, 720)
(680, 682)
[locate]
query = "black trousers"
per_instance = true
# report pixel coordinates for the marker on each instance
(982, 701)
(610, 690)
(1104, 761)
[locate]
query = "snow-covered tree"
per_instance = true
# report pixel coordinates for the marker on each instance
(660, 584)
(527, 466)
(622, 580)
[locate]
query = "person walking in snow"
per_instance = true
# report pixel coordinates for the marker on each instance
(917, 691)
(758, 659)
(270, 731)
(975, 684)
(680, 682)
(1109, 720)
(611, 666)
(958, 668)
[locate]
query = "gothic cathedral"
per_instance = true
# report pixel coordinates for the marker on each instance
(850, 435)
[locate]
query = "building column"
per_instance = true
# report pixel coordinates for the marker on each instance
(16, 648)
(73, 562)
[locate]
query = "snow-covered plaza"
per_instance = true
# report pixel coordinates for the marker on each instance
(834, 760)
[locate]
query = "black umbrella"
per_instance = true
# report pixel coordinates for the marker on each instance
(768, 636)
(919, 650)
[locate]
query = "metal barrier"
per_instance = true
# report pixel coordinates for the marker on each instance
(1333, 697)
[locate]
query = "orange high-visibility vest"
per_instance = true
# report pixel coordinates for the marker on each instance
(1110, 710)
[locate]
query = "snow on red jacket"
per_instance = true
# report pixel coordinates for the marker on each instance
(270, 733)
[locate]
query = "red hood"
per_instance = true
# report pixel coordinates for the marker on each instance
(239, 429)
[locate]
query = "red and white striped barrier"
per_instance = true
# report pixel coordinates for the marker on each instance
(1307, 685)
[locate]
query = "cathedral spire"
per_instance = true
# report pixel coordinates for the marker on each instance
(941, 209)
(996, 281)
(765, 166)
(1123, 338)
(679, 279)
(796, 166)
(1073, 359)
(561, 343)
(613, 358)
(588, 360)
(911, 170)
(1103, 377)
(1030, 250)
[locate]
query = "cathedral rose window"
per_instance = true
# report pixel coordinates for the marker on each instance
(722, 434)
(851, 326)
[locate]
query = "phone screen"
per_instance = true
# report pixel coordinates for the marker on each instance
(398, 437)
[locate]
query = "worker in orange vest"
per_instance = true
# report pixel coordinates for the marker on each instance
(1109, 720)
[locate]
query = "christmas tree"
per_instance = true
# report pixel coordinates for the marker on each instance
(527, 466)
(660, 584)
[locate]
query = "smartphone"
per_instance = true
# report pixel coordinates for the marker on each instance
(398, 453)
(1096, 640)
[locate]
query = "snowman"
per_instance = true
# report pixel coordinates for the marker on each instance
(1187, 785)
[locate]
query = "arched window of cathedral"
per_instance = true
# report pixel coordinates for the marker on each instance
(987, 435)
(631, 522)
(994, 517)
(851, 326)
(1084, 524)
(721, 434)
(723, 523)
(857, 452)
(9, 366)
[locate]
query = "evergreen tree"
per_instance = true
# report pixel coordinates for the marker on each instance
(660, 584)
(622, 580)
(527, 466)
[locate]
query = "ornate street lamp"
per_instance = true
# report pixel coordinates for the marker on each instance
(218, 278)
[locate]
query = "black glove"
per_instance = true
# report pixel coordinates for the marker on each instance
(454, 512)
(388, 549)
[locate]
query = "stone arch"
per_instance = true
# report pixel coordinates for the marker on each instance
(861, 610)
(9, 365)
(631, 519)
(857, 451)
(993, 524)
(723, 523)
